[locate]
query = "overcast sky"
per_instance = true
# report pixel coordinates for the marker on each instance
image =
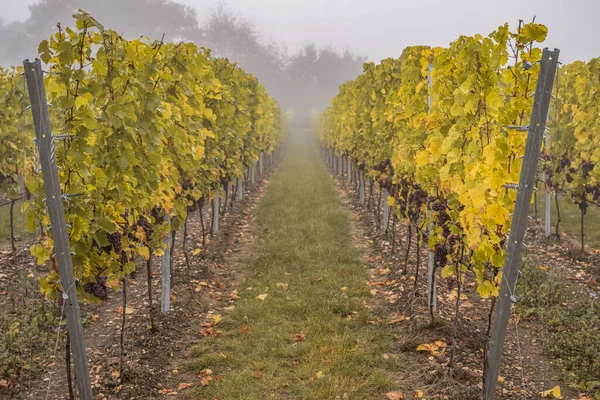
(382, 28)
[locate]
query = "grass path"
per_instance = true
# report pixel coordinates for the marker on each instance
(312, 336)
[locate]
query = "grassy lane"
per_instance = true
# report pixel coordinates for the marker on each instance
(304, 243)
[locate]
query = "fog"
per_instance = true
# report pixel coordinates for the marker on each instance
(303, 49)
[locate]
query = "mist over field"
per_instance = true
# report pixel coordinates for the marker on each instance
(302, 50)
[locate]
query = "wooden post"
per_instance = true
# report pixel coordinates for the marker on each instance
(34, 76)
(508, 285)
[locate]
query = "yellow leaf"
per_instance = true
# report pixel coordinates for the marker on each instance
(262, 296)
(553, 393)
(418, 393)
(144, 252)
(487, 289)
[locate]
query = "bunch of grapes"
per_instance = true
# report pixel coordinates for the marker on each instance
(115, 240)
(563, 164)
(382, 166)
(158, 215)
(97, 288)
(386, 183)
(440, 253)
(145, 225)
(594, 191)
(586, 168)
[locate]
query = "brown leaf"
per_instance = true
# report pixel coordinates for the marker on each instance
(399, 319)
(591, 282)
(300, 337)
(184, 386)
(206, 381)
(95, 317)
(257, 375)
(395, 396)
(284, 286)
(245, 329)
(128, 310)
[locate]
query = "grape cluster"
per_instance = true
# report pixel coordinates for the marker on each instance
(586, 168)
(418, 197)
(593, 191)
(386, 183)
(440, 253)
(97, 288)
(115, 240)
(382, 166)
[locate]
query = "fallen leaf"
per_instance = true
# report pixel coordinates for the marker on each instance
(257, 375)
(284, 286)
(591, 282)
(184, 386)
(262, 296)
(206, 381)
(399, 319)
(245, 329)
(435, 348)
(128, 310)
(418, 393)
(394, 396)
(319, 375)
(299, 337)
(95, 317)
(553, 393)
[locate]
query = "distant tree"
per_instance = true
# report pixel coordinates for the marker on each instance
(233, 37)
(315, 75)
(133, 18)
(302, 82)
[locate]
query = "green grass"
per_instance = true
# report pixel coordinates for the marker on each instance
(570, 219)
(305, 241)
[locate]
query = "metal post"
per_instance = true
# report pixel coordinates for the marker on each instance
(547, 197)
(165, 295)
(261, 163)
(341, 166)
(253, 174)
(431, 282)
(386, 211)
(240, 189)
(54, 202)
(348, 170)
(508, 285)
(431, 278)
(215, 216)
(361, 178)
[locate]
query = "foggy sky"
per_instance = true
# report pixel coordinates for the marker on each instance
(382, 28)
